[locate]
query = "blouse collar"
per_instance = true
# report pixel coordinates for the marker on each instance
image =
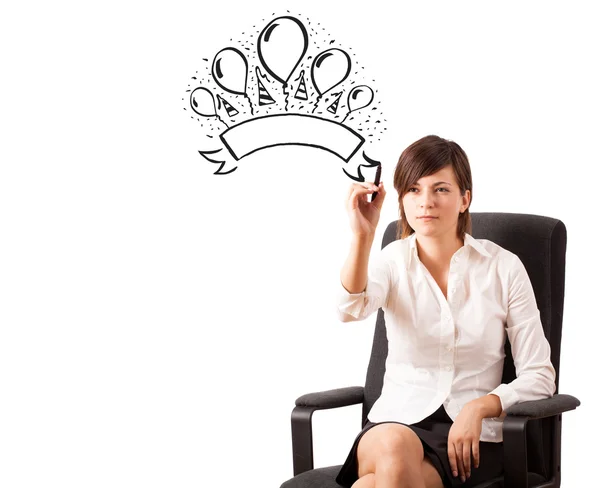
(468, 241)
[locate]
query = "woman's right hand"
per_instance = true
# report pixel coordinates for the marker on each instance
(364, 215)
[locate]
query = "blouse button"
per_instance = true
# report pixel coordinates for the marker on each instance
(448, 368)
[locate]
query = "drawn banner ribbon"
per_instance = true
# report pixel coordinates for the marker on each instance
(296, 129)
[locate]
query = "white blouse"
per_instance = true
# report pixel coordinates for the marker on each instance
(452, 351)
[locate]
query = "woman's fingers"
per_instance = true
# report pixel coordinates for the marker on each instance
(452, 459)
(466, 455)
(476, 454)
(378, 202)
(363, 186)
(459, 461)
(359, 191)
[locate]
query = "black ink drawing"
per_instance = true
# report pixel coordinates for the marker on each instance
(292, 97)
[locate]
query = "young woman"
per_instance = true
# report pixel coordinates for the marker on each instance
(450, 301)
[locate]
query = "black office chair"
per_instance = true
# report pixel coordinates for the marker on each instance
(531, 430)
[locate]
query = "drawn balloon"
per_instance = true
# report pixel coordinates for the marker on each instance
(359, 97)
(281, 46)
(230, 70)
(329, 69)
(203, 102)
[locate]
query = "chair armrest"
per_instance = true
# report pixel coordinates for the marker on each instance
(302, 441)
(515, 437)
(339, 397)
(547, 407)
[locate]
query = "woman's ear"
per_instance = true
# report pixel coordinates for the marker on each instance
(466, 200)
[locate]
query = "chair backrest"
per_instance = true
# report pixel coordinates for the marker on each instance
(540, 242)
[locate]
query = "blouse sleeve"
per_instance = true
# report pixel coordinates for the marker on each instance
(358, 306)
(530, 348)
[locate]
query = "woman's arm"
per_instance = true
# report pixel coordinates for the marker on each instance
(370, 281)
(530, 348)
(355, 269)
(360, 295)
(487, 406)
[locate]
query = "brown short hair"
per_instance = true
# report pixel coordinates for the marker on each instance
(426, 157)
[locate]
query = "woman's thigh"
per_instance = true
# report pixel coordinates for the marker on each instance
(387, 438)
(430, 475)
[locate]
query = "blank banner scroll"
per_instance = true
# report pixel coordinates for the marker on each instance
(287, 129)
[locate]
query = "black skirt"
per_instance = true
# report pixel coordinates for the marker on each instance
(433, 432)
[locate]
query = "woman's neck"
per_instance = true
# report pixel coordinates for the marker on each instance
(437, 252)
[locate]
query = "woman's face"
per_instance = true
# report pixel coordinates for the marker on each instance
(437, 195)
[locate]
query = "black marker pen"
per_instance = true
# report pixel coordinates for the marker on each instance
(376, 183)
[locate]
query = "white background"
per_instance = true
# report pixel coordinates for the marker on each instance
(158, 321)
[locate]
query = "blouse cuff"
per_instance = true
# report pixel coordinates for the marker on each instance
(508, 397)
(350, 303)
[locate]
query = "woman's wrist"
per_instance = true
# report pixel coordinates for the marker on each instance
(363, 238)
(488, 406)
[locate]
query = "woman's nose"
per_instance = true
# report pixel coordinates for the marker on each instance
(426, 199)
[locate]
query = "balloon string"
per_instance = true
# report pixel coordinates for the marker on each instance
(317, 103)
(221, 120)
(287, 96)
(250, 102)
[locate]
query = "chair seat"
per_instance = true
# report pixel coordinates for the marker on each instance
(315, 478)
(325, 478)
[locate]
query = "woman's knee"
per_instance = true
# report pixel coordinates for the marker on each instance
(386, 444)
(400, 439)
(367, 481)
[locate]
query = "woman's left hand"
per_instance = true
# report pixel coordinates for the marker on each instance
(463, 439)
